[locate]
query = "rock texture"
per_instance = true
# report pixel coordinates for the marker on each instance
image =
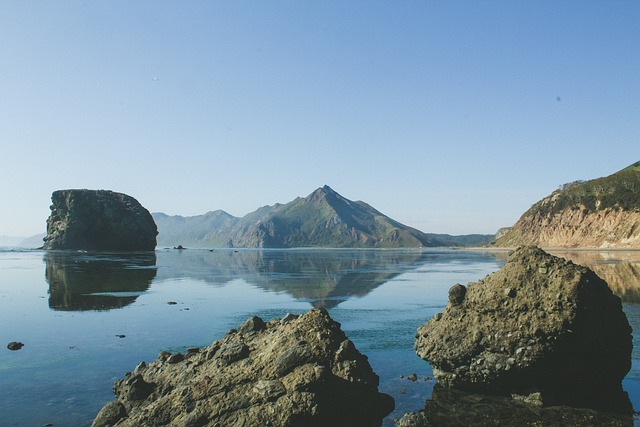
(599, 213)
(540, 327)
(99, 220)
(607, 228)
(294, 371)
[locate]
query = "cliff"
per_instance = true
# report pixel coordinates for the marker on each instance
(99, 220)
(600, 213)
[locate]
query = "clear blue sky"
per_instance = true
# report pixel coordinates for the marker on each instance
(449, 116)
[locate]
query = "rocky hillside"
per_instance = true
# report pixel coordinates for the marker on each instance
(322, 219)
(600, 213)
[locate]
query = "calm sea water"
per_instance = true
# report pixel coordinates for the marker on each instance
(86, 319)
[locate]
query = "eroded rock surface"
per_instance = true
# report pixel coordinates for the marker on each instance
(540, 327)
(295, 371)
(100, 220)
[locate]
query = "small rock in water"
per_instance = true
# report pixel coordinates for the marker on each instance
(172, 302)
(120, 335)
(14, 345)
(412, 377)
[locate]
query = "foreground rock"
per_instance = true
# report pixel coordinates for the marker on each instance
(452, 407)
(295, 371)
(540, 328)
(99, 220)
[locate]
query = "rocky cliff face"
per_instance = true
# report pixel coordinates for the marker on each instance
(99, 220)
(540, 327)
(607, 228)
(600, 213)
(294, 371)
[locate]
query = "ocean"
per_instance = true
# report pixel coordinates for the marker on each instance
(88, 318)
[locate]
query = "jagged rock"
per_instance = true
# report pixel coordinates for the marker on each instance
(99, 220)
(538, 325)
(302, 371)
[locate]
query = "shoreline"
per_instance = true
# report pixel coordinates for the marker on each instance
(555, 249)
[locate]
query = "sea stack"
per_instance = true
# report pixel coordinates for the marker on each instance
(540, 329)
(99, 220)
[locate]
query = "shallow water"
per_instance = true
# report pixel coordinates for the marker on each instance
(86, 319)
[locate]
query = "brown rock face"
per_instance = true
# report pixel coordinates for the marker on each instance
(99, 220)
(295, 371)
(540, 327)
(607, 228)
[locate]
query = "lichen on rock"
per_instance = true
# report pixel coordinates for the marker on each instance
(540, 326)
(295, 371)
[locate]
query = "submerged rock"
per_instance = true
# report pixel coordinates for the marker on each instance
(299, 371)
(99, 220)
(541, 328)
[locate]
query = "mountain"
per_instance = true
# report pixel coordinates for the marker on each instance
(599, 213)
(322, 219)
(209, 230)
(10, 240)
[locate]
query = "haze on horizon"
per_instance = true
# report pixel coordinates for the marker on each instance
(450, 117)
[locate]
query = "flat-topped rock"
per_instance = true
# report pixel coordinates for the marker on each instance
(540, 327)
(99, 220)
(295, 371)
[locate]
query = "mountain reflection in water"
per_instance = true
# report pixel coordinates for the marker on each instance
(620, 269)
(323, 277)
(101, 281)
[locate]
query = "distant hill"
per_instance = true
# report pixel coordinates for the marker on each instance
(322, 219)
(22, 242)
(599, 213)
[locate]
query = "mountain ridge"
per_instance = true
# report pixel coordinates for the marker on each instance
(598, 213)
(322, 219)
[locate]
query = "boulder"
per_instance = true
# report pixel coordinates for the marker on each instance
(99, 220)
(541, 328)
(295, 371)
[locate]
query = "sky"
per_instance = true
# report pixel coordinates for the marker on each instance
(448, 116)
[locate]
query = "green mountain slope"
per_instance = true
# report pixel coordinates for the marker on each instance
(322, 219)
(602, 212)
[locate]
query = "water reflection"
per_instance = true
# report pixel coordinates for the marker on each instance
(81, 281)
(620, 269)
(452, 407)
(323, 277)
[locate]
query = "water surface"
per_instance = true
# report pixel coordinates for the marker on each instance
(86, 319)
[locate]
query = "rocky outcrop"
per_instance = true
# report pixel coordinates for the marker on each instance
(540, 327)
(607, 228)
(599, 213)
(294, 371)
(99, 220)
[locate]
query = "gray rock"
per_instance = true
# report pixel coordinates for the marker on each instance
(538, 325)
(14, 345)
(303, 372)
(99, 220)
